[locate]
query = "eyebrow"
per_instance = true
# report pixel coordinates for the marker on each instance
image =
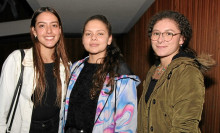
(46, 22)
(165, 30)
(97, 30)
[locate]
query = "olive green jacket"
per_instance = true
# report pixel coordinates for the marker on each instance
(176, 102)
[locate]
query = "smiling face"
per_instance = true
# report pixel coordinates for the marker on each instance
(47, 30)
(167, 49)
(96, 38)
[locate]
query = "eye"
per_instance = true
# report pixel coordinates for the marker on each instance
(156, 33)
(100, 34)
(55, 25)
(41, 25)
(87, 34)
(168, 34)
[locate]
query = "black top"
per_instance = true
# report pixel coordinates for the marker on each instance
(150, 89)
(81, 111)
(47, 109)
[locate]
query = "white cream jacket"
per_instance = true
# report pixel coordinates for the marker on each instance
(8, 81)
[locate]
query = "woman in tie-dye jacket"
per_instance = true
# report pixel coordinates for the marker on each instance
(101, 96)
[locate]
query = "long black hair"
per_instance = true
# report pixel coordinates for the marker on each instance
(110, 63)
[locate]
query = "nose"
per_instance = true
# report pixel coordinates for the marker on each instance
(49, 29)
(160, 39)
(94, 37)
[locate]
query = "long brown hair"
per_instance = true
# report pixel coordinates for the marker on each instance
(59, 56)
(110, 63)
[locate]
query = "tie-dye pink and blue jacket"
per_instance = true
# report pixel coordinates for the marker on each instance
(125, 119)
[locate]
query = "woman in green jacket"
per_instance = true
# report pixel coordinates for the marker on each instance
(173, 92)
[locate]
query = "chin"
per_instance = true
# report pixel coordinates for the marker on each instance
(161, 54)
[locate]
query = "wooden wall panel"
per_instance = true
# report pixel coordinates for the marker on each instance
(204, 16)
(75, 49)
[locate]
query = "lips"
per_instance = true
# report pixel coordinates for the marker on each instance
(49, 37)
(93, 45)
(160, 47)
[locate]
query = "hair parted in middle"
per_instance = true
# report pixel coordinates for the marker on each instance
(110, 63)
(59, 55)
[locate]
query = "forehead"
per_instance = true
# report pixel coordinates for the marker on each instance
(166, 24)
(95, 24)
(46, 17)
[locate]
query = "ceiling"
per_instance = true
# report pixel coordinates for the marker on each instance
(122, 14)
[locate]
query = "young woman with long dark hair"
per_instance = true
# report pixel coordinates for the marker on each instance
(101, 95)
(46, 71)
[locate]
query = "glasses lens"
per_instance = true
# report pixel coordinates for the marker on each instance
(167, 36)
(155, 36)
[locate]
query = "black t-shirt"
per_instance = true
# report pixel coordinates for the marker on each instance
(81, 111)
(150, 89)
(48, 109)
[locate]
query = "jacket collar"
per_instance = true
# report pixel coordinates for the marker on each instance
(28, 59)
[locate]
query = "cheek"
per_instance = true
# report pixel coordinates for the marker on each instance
(84, 40)
(152, 44)
(39, 32)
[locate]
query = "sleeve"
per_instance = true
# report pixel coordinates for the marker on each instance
(188, 99)
(8, 81)
(126, 106)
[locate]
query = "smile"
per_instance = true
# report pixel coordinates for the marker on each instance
(161, 47)
(49, 38)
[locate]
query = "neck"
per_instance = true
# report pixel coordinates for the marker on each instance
(165, 61)
(95, 59)
(47, 54)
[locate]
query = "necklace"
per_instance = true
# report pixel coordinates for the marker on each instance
(160, 69)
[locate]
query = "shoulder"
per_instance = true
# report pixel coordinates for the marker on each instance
(77, 64)
(124, 69)
(13, 57)
(125, 74)
(186, 74)
(12, 62)
(186, 65)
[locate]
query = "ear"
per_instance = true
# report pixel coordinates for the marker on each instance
(34, 31)
(110, 40)
(181, 41)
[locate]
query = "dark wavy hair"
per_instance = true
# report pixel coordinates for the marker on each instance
(182, 22)
(110, 63)
(59, 55)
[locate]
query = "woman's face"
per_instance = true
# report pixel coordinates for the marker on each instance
(96, 38)
(163, 47)
(47, 30)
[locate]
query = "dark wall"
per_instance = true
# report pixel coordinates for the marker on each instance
(74, 47)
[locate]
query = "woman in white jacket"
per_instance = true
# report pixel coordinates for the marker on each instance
(46, 72)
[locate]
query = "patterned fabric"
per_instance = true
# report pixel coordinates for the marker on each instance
(124, 97)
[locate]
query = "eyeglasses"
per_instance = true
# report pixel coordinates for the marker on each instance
(167, 36)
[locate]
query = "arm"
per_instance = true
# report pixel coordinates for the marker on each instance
(126, 106)
(8, 81)
(188, 100)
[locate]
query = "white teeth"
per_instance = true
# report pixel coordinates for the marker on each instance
(49, 38)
